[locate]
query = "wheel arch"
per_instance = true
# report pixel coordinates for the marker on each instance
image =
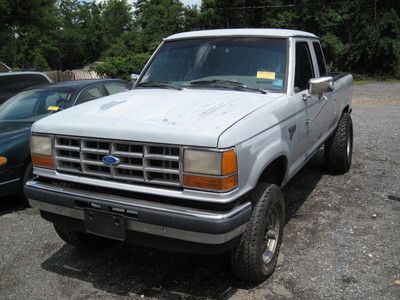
(277, 167)
(27, 160)
(347, 109)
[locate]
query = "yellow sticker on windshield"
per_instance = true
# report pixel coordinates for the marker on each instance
(53, 108)
(266, 75)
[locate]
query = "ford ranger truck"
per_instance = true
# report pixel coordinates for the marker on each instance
(195, 156)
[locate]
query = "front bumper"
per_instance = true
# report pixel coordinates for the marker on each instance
(146, 217)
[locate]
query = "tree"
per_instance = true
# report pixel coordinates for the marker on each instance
(123, 67)
(156, 19)
(39, 62)
(358, 36)
(117, 20)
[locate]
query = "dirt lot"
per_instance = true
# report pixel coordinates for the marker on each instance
(342, 238)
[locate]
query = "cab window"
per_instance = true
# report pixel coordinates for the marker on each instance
(115, 87)
(320, 59)
(304, 68)
(90, 93)
(11, 84)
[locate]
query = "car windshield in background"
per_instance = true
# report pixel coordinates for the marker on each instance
(257, 63)
(33, 105)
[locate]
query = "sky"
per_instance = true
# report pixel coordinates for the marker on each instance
(191, 2)
(186, 2)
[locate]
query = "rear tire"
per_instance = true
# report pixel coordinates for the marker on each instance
(255, 258)
(339, 147)
(80, 239)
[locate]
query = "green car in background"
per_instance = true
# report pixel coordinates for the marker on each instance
(19, 113)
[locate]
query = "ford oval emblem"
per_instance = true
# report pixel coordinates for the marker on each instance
(110, 160)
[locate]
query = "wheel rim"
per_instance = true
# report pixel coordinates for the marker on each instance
(272, 233)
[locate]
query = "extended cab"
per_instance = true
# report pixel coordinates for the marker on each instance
(194, 158)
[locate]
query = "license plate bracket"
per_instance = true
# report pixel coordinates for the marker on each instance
(108, 225)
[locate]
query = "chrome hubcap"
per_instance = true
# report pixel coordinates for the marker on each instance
(271, 234)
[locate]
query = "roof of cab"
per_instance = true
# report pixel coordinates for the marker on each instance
(21, 73)
(72, 83)
(258, 32)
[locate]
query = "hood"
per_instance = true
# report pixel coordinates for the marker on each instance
(10, 130)
(186, 117)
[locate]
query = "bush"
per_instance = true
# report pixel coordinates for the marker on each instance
(122, 67)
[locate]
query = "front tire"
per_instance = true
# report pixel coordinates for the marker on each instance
(255, 258)
(339, 147)
(80, 239)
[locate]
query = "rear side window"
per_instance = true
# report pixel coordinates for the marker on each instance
(115, 87)
(320, 59)
(13, 84)
(304, 69)
(90, 93)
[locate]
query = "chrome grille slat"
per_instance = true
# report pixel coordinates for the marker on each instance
(63, 147)
(127, 154)
(160, 182)
(130, 167)
(68, 170)
(95, 151)
(139, 162)
(162, 157)
(161, 170)
(137, 179)
(92, 162)
(69, 159)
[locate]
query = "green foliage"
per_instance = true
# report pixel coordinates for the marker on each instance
(157, 19)
(122, 66)
(39, 62)
(358, 36)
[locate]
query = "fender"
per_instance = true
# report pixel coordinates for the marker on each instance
(256, 154)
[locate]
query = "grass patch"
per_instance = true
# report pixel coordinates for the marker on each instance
(373, 80)
(364, 79)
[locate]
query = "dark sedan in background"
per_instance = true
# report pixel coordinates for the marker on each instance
(11, 83)
(19, 113)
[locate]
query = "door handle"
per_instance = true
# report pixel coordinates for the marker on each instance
(322, 98)
(306, 97)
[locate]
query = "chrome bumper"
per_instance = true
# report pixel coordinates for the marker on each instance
(170, 221)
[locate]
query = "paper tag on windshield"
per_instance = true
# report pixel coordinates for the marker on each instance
(53, 108)
(266, 75)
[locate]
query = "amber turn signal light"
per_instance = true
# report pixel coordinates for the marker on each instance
(229, 162)
(3, 160)
(222, 184)
(43, 161)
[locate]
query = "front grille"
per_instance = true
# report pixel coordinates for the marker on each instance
(139, 162)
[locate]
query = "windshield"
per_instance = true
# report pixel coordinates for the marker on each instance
(255, 62)
(33, 105)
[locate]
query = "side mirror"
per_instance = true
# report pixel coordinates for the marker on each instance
(320, 85)
(134, 77)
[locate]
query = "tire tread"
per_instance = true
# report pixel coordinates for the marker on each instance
(336, 146)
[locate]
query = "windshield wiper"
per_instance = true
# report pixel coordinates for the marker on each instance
(227, 84)
(161, 84)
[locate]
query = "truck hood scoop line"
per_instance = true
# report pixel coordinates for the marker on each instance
(194, 117)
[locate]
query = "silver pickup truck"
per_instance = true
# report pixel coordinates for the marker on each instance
(195, 156)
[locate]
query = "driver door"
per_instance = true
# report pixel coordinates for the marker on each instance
(309, 120)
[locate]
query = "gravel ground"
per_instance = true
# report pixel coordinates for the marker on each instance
(377, 91)
(342, 237)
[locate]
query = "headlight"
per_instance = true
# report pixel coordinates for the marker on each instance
(41, 151)
(210, 170)
(41, 145)
(202, 162)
